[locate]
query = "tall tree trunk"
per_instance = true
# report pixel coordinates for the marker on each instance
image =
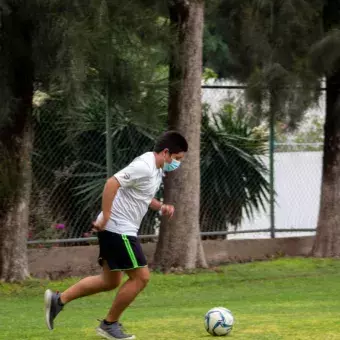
(14, 220)
(179, 242)
(327, 242)
(16, 145)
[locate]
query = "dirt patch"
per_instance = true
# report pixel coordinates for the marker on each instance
(61, 262)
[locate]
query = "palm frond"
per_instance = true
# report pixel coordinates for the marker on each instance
(233, 177)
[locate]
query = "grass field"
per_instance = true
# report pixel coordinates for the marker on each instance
(280, 299)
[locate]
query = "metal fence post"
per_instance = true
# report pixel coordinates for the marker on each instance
(271, 170)
(108, 131)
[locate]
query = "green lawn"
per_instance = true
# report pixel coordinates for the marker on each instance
(281, 299)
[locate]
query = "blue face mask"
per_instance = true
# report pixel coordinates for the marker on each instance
(171, 166)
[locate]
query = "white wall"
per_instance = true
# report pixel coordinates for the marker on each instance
(297, 184)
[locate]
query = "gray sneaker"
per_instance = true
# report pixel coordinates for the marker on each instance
(114, 331)
(52, 307)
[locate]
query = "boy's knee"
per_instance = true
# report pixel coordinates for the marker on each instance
(107, 286)
(142, 276)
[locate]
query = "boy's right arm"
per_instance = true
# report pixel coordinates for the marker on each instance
(124, 178)
(109, 193)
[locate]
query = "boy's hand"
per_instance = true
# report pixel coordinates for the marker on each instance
(168, 210)
(98, 225)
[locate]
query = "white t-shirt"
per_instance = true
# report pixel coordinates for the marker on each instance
(139, 182)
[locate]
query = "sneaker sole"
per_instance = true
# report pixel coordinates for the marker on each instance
(106, 335)
(48, 300)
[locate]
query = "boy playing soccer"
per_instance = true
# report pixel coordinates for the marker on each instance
(126, 198)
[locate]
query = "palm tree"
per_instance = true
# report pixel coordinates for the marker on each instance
(233, 177)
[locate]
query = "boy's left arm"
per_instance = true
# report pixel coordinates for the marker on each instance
(155, 205)
(166, 209)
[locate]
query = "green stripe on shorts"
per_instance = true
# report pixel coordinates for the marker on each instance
(130, 251)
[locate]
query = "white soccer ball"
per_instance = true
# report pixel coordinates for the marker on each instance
(219, 321)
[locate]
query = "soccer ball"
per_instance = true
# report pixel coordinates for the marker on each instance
(219, 321)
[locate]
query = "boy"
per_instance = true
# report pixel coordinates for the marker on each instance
(126, 198)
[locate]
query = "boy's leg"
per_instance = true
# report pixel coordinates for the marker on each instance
(129, 258)
(54, 302)
(138, 279)
(106, 281)
(110, 328)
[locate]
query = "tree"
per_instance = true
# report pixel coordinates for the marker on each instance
(266, 44)
(179, 242)
(233, 181)
(16, 64)
(110, 80)
(30, 37)
(326, 60)
(327, 242)
(51, 45)
(294, 27)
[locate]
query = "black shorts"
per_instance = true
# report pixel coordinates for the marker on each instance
(121, 252)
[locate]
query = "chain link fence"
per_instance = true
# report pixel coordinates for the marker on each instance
(63, 162)
(69, 172)
(297, 184)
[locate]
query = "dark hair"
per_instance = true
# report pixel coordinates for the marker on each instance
(173, 141)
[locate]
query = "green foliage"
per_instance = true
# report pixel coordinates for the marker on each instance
(70, 157)
(208, 74)
(86, 65)
(268, 44)
(92, 58)
(314, 133)
(309, 136)
(70, 153)
(100, 49)
(53, 160)
(233, 182)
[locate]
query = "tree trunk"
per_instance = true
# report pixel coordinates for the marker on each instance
(14, 221)
(16, 146)
(179, 242)
(327, 242)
